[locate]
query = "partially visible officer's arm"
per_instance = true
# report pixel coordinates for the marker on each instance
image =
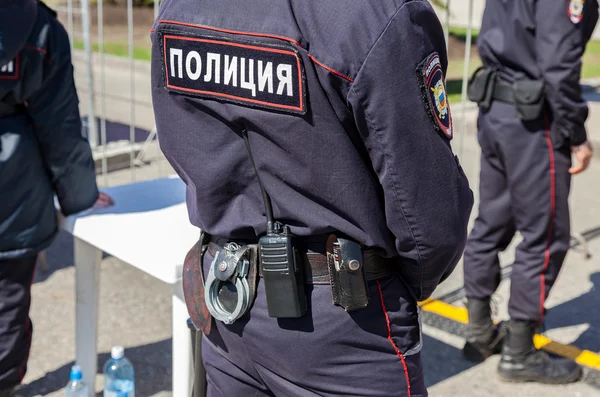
(401, 109)
(55, 114)
(560, 41)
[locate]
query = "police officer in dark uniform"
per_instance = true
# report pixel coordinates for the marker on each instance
(42, 153)
(314, 139)
(531, 120)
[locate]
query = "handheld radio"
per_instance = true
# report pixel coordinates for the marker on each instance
(280, 263)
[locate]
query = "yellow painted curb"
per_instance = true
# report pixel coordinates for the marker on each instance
(459, 314)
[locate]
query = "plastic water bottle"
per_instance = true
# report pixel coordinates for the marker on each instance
(118, 375)
(76, 387)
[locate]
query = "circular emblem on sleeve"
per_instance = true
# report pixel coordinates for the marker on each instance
(576, 10)
(434, 92)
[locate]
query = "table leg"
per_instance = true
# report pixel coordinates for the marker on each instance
(87, 278)
(182, 346)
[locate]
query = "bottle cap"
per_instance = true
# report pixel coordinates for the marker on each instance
(117, 352)
(75, 372)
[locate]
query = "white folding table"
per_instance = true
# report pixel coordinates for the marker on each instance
(148, 228)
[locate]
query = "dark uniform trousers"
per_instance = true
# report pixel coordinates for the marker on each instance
(524, 186)
(342, 152)
(263, 356)
(16, 276)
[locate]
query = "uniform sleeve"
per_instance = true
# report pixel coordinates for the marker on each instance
(399, 104)
(57, 124)
(560, 45)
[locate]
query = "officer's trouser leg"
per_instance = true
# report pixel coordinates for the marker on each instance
(494, 227)
(539, 187)
(16, 276)
(539, 182)
(373, 352)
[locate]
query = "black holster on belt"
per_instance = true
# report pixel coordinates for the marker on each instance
(527, 95)
(347, 272)
(529, 98)
(481, 87)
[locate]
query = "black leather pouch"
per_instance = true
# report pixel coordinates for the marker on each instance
(529, 98)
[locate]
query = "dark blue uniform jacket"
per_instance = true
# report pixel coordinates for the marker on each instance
(42, 151)
(546, 40)
(347, 117)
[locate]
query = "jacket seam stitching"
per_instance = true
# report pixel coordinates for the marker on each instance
(396, 190)
(255, 34)
(385, 29)
(322, 65)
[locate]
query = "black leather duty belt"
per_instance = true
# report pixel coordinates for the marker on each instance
(316, 265)
(504, 93)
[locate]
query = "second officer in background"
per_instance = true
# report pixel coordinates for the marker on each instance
(531, 121)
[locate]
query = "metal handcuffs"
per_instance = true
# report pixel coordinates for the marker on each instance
(230, 265)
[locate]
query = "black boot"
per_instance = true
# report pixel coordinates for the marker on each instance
(522, 362)
(484, 338)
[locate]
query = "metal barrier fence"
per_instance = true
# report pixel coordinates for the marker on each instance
(115, 91)
(110, 107)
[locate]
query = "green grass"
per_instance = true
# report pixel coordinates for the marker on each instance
(455, 68)
(461, 33)
(591, 60)
(454, 88)
(118, 49)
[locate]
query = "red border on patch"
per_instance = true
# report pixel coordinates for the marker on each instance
(237, 98)
(428, 84)
(575, 18)
(16, 75)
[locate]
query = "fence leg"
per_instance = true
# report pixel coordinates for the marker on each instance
(199, 385)
(92, 133)
(465, 80)
(447, 27)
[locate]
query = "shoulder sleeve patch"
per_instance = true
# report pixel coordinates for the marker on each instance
(433, 90)
(246, 73)
(10, 71)
(576, 10)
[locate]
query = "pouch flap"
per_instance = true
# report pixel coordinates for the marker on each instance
(528, 92)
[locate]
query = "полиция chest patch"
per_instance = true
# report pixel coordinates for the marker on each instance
(245, 73)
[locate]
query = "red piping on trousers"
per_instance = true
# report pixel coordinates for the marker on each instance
(389, 330)
(552, 213)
